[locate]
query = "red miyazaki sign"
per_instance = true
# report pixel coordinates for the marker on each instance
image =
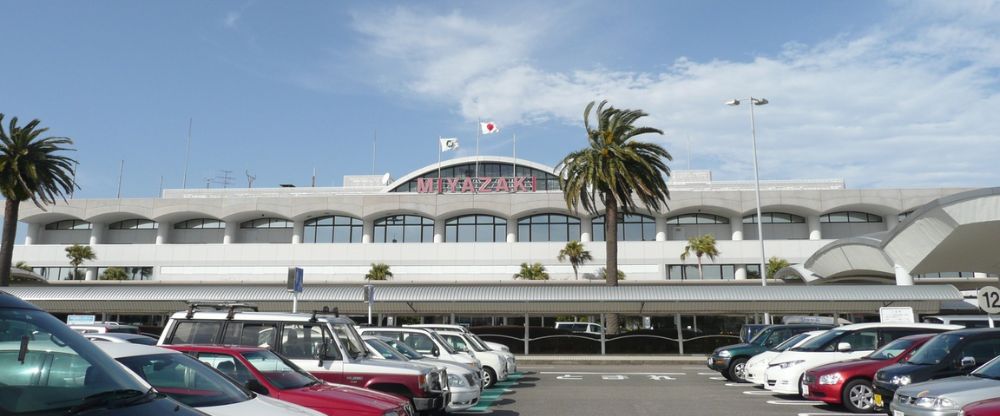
(481, 185)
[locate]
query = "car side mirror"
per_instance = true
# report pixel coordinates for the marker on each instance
(844, 347)
(967, 363)
(255, 386)
(435, 351)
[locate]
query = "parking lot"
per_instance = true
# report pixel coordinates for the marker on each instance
(636, 390)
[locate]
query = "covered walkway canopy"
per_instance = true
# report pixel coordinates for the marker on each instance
(509, 298)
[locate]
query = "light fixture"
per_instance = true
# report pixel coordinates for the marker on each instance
(760, 101)
(733, 102)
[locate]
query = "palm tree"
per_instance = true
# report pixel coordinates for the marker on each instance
(77, 254)
(774, 264)
(379, 271)
(613, 170)
(702, 245)
(577, 255)
(114, 273)
(30, 168)
(23, 265)
(603, 272)
(532, 272)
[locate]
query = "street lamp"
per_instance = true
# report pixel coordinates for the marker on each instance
(756, 180)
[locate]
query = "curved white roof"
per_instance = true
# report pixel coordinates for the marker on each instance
(463, 160)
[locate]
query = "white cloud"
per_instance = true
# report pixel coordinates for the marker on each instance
(232, 19)
(911, 102)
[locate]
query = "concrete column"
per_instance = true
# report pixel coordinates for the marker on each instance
(586, 229)
(32, 236)
(741, 272)
(903, 277)
(661, 228)
(298, 230)
(815, 233)
(96, 232)
(511, 230)
(91, 274)
(229, 235)
(737, 226)
(368, 231)
(438, 231)
(163, 232)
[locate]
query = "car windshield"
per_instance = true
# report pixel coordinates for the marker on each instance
(761, 336)
(405, 349)
(989, 370)
(892, 349)
(143, 341)
(186, 379)
(820, 342)
(477, 339)
(441, 341)
(936, 349)
(474, 343)
(795, 339)
(350, 339)
(385, 350)
(46, 368)
(278, 371)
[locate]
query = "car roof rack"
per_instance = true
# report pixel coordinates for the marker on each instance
(324, 311)
(232, 307)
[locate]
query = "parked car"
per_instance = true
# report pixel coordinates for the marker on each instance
(105, 327)
(196, 384)
(464, 382)
(749, 331)
(121, 337)
(494, 363)
(989, 407)
(496, 346)
(731, 360)
(427, 342)
(414, 355)
(265, 372)
(787, 370)
(47, 368)
(948, 354)
(322, 343)
(757, 365)
(581, 327)
(945, 397)
(849, 383)
(968, 321)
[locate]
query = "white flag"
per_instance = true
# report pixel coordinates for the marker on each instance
(489, 127)
(449, 144)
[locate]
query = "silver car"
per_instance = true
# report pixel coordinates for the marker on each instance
(945, 397)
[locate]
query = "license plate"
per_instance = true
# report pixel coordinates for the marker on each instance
(805, 390)
(897, 413)
(877, 399)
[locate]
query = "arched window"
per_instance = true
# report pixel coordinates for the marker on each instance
(849, 216)
(548, 227)
(333, 229)
(476, 228)
(631, 227)
(697, 219)
(69, 225)
(134, 224)
(266, 223)
(404, 229)
(775, 218)
(200, 224)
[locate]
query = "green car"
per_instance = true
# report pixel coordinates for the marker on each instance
(730, 360)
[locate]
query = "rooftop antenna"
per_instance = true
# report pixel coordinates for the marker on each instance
(187, 155)
(250, 179)
(374, 141)
(121, 172)
(161, 185)
(225, 178)
(208, 182)
(689, 151)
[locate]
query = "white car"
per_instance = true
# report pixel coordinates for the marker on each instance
(494, 363)
(426, 342)
(756, 366)
(495, 346)
(195, 384)
(121, 337)
(784, 374)
(464, 382)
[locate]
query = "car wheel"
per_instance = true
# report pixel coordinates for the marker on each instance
(489, 377)
(857, 396)
(737, 370)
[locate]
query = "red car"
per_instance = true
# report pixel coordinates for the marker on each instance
(984, 408)
(849, 383)
(267, 373)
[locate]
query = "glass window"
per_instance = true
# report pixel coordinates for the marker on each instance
(476, 228)
(546, 180)
(200, 223)
(631, 227)
(68, 225)
(196, 332)
(333, 229)
(419, 341)
(404, 229)
(775, 218)
(548, 227)
(228, 365)
(267, 223)
(849, 216)
(251, 334)
(302, 341)
(185, 379)
(134, 224)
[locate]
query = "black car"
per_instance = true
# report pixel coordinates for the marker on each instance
(47, 369)
(948, 354)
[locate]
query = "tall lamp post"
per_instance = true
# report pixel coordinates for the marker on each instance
(756, 179)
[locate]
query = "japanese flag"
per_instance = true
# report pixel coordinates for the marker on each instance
(489, 127)
(449, 144)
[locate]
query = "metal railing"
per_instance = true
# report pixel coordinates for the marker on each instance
(680, 341)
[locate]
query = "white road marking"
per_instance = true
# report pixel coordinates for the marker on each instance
(735, 385)
(660, 378)
(569, 377)
(717, 378)
(759, 393)
(795, 402)
(708, 374)
(586, 373)
(827, 414)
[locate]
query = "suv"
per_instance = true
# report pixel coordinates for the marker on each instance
(323, 344)
(949, 354)
(731, 360)
(580, 327)
(425, 342)
(495, 366)
(495, 346)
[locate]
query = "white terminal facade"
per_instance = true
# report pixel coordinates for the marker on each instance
(467, 227)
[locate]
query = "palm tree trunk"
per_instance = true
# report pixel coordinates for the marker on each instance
(9, 234)
(701, 274)
(611, 267)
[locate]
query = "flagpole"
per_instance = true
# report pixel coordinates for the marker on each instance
(479, 130)
(439, 188)
(515, 156)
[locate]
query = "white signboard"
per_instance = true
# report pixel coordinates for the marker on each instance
(897, 315)
(80, 319)
(989, 299)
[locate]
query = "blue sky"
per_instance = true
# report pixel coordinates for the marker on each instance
(882, 94)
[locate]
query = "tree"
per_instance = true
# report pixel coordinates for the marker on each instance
(577, 255)
(532, 272)
(77, 254)
(24, 266)
(114, 273)
(603, 272)
(30, 168)
(614, 170)
(774, 264)
(702, 245)
(379, 271)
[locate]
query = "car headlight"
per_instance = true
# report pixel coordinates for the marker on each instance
(939, 403)
(456, 380)
(831, 379)
(900, 380)
(788, 364)
(725, 354)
